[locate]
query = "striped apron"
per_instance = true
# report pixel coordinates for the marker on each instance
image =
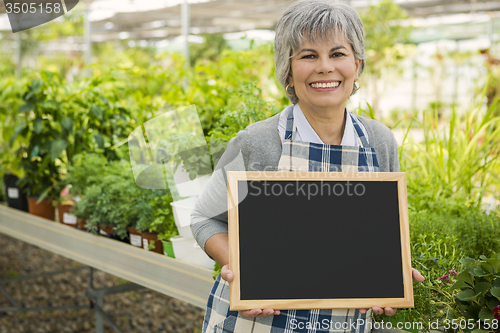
(296, 156)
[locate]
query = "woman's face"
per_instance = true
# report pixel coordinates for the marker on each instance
(317, 65)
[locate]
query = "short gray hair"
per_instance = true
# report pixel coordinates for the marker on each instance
(309, 19)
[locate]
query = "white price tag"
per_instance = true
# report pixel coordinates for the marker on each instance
(136, 240)
(13, 193)
(69, 218)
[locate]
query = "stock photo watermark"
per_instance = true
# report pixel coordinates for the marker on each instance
(26, 14)
(308, 189)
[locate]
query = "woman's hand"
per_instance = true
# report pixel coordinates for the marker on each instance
(228, 275)
(392, 311)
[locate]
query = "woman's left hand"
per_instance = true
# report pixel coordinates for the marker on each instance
(392, 311)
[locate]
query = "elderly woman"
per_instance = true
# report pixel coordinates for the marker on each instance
(319, 56)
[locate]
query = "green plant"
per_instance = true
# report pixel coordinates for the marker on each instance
(478, 297)
(217, 270)
(247, 107)
(110, 200)
(45, 130)
(159, 217)
(456, 166)
(86, 170)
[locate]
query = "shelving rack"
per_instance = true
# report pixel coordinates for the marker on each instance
(143, 269)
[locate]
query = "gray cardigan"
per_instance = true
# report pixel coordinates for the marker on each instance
(258, 148)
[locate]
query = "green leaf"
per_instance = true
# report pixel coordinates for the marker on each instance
(482, 287)
(67, 124)
(36, 85)
(464, 276)
(99, 140)
(38, 126)
(479, 331)
(467, 295)
(466, 261)
(487, 266)
(97, 111)
(26, 107)
(17, 130)
(495, 291)
(35, 151)
(460, 284)
(44, 194)
(494, 262)
(57, 148)
(485, 314)
(477, 272)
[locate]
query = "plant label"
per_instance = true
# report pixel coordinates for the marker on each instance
(13, 193)
(69, 218)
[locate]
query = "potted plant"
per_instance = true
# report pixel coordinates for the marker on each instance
(10, 100)
(159, 225)
(64, 207)
(44, 132)
(105, 202)
(84, 171)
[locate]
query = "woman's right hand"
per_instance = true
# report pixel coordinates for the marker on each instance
(228, 275)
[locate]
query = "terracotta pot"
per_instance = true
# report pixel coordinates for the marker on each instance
(148, 238)
(81, 223)
(135, 237)
(106, 230)
(65, 215)
(43, 209)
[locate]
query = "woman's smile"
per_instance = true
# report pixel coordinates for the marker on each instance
(325, 85)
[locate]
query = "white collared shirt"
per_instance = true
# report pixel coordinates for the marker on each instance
(306, 133)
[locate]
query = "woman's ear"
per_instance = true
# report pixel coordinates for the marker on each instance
(358, 66)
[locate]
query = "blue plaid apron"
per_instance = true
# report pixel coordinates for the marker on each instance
(297, 155)
(308, 156)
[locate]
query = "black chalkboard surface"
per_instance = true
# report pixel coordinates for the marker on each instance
(319, 240)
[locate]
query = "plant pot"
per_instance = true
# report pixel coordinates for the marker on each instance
(182, 215)
(148, 238)
(168, 249)
(135, 237)
(64, 215)
(43, 209)
(203, 259)
(184, 249)
(81, 224)
(187, 187)
(14, 194)
(106, 230)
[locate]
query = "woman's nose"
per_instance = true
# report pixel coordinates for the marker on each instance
(325, 66)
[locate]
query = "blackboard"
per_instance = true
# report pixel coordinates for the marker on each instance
(319, 240)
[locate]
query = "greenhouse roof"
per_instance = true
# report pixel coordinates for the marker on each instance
(161, 19)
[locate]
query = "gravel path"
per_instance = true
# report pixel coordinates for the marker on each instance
(136, 311)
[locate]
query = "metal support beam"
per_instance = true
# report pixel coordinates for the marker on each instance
(185, 28)
(88, 34)
(19, 55)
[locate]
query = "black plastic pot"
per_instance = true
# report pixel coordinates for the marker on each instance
(15, 195)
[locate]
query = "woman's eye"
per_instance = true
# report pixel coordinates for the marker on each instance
(338, 54)
(309, 56)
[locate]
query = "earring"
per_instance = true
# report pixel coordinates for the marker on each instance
(356, 89)
(286, 90)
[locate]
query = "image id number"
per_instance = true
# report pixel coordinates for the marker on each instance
(462, 324)
(25, 8)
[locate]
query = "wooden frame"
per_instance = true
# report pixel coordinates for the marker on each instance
(236, 303)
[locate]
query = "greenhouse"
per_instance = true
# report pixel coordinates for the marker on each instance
(139, 174)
